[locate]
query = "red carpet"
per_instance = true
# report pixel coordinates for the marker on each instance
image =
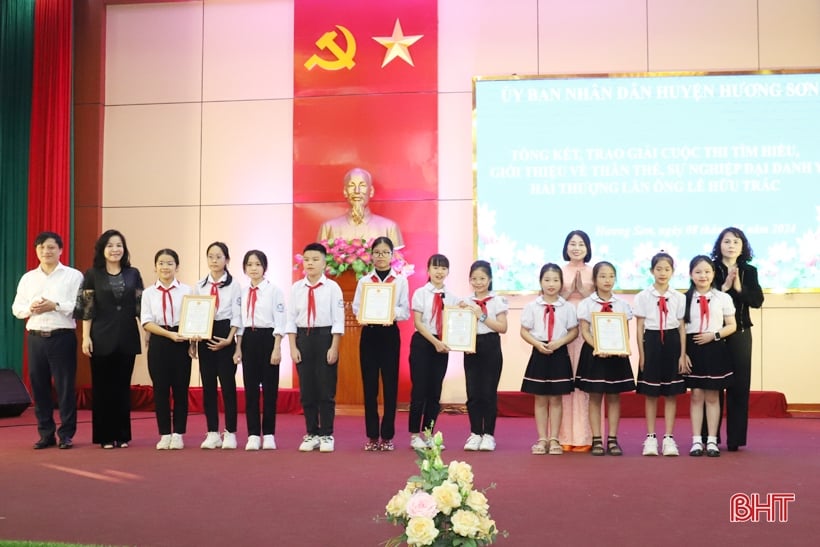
(141, 496)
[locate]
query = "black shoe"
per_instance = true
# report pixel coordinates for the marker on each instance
(45, 443)
(65, 444)
(732, 448)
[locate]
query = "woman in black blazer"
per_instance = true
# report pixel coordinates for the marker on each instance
(736, 277)
(109, 306)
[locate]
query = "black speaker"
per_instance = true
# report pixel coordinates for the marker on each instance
(14, 397)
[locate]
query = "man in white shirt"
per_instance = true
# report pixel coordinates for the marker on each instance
(45, 298)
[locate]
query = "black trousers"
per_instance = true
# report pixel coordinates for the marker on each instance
(218, 365)
(257, 346)
(54, 357)
(111, 397)
(427, 370)
(379, 354)
(482, 372)
(736, 400)
(317, 380)
(170, 368)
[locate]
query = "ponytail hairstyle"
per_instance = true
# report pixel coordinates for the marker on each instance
(224, 248)
(170, 252)
(663, 255)
(550, 267)
(690, 292)
(485, 267)
(597, 268)
(262, 257)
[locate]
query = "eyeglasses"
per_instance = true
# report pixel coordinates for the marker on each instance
(382, 253)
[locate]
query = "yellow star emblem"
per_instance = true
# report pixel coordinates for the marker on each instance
(398, 45)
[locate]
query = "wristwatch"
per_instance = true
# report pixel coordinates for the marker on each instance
(483, 317)
(717, 336)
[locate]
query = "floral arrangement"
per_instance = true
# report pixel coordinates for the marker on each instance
(439, 506)
(354, 254)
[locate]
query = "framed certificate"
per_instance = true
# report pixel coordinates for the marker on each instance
(459, 325)
(610, 332)
(197, 317)
(377, 303)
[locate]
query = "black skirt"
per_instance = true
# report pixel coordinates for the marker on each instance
(603, 374)
(711, 365)
(660, 377)
(548, 374)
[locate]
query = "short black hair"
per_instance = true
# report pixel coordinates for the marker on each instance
(43, 236)
(315, 246)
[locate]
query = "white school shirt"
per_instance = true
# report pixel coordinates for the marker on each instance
(496, 305)
(532, 318)
(268, 311)
(151, 307)
(593, 303)
(230, 298)
(330, 306)
(646, 306)
(720, 305)
(402, 307)
(60, 286)
(423, 303)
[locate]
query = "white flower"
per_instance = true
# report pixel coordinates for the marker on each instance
(477, 501)
(466, 523)
(395, 507)
(421, 531)
(462, 473)
(447, 496)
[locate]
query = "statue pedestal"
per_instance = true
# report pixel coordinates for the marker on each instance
(349, 390)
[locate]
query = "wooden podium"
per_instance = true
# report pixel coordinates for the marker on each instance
(349, 390)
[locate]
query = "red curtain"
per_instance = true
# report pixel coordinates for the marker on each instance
(49, 200)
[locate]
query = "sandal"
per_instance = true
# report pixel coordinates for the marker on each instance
(386, 445)
(712, 450)
(597, 447)
(696, 450)
(612, 446)
(372, 445)
(555, 447)
(540, 447)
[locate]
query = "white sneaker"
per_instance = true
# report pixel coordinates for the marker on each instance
(670, 447)
(417, 443)
(650, 446)
(326, 443)
(487, 443)
(253, 443)
(228, 441)
(268, 442)
(309, 443)
(164, 442)
(473, 442)
(212, 440)
(176, 442)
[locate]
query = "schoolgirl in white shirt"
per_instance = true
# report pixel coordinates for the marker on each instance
(219, 356)
(428, 354)
(263, 325)
(661, 352)
(548, 324)
(603, 376)
(169, 363)
(379, 348)
(709, 319)
(482, 369)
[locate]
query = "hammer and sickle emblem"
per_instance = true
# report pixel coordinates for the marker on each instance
(343, 57)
